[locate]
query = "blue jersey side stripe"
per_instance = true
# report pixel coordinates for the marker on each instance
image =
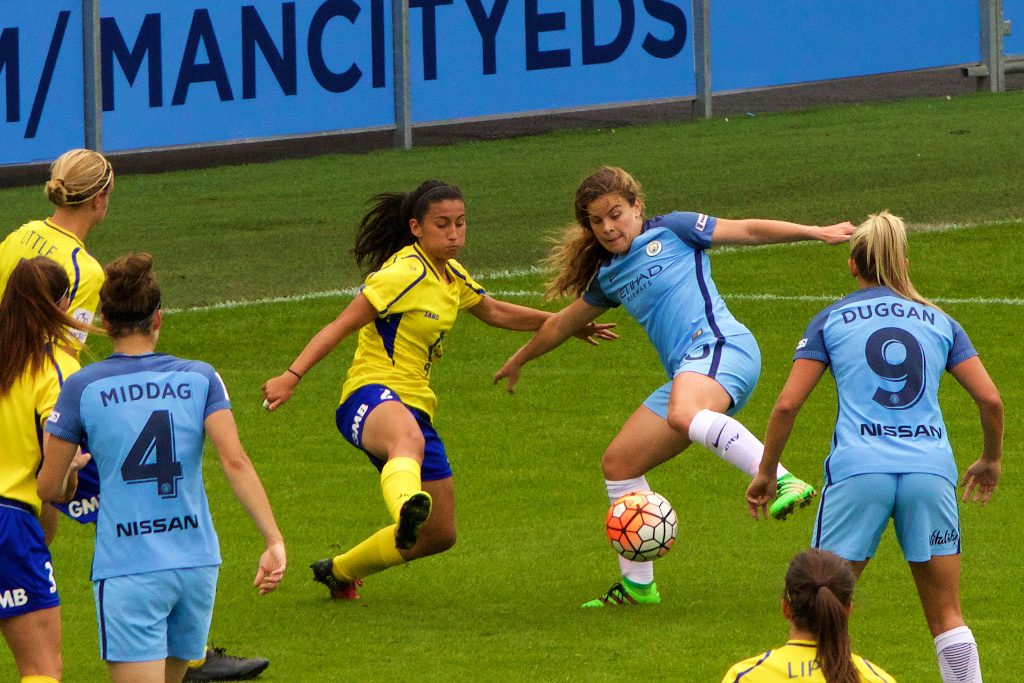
(756, 664)
(102, 618)
(387, 328)
(709, 312)
(78, 273)
(821, 516)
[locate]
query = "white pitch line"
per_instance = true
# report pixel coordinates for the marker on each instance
(512, 273)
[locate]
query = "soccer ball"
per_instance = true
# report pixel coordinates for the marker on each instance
(641, 526)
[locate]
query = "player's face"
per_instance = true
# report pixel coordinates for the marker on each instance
(442, 233)
(614, 222)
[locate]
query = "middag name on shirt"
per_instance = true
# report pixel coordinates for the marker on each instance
(145, 391)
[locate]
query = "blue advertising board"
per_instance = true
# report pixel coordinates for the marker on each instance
(756, 44)
(41, 96)
(194, 72)
(1013, 11)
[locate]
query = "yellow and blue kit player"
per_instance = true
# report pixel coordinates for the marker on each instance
(415, 288)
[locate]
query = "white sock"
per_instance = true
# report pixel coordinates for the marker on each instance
(637, 572)
(729, 440)
(958, 656)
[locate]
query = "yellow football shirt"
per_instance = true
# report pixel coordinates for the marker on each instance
(796, 661)
(46, 238)
(23, 412)
(416, 306)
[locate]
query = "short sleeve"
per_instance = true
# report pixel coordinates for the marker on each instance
(961, 348)
(470, 291)
(812, 345)
(217, 394)
(65, 421)
(595, 296)
(385, 287)
(694, 229)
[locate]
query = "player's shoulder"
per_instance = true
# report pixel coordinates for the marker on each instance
(871, 672)
(463, 275)
(406, 263)
(749, 669)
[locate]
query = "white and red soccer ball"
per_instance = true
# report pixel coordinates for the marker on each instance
(641, 526)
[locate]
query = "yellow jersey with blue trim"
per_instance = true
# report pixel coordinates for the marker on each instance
(46, 238)
(23, 413)
(797, 660)
(416, 305)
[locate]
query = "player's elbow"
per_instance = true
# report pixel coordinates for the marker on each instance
(786, 407)
(48, 492)
(990, 402)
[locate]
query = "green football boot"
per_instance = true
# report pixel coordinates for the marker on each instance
(627, 594)
(792, 493)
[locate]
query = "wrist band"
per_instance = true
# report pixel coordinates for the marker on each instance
(294, 373)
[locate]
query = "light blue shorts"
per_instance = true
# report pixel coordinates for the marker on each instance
(853, 513)
(155, 615)
(733, 362)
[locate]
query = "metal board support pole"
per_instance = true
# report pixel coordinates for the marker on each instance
(701, 32)
(400, 69)
(92, 81)
(992, 30)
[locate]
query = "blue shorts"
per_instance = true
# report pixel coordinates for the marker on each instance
(734, 362)
(351, 416)
(85, 506)
(853, 513)
(155, 615)
(26, 569)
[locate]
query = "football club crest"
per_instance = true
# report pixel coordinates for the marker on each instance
(654, 248)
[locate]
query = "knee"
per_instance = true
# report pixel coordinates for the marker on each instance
(433, 544)
(679, 419)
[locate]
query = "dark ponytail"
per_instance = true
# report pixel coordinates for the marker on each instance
(31, 318)
(385, 228)
(819, 589)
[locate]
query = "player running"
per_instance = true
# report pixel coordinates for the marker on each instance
(145, 415)
(659, 270)
(887, 347)
(408, 302)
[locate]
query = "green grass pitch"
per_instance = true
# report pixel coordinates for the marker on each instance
(504, 603)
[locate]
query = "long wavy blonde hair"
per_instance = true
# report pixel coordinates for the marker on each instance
(577, 254)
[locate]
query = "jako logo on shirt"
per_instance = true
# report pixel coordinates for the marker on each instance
(702, 222)
(654, 248)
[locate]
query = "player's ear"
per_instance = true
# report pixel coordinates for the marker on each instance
(787, 609)
(415, 228)
(852, 265)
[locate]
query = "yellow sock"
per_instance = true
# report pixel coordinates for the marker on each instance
(196, 663)
(38, 679)
(399, 479)
(373, 555)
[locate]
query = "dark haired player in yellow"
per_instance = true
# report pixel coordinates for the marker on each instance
(408, 242)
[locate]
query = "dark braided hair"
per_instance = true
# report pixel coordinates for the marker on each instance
(385, 228)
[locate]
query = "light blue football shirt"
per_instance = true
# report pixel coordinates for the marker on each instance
(664, 281)
(142, 417)
(887, 355)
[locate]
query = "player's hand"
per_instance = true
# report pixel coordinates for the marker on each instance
(760, 493)
(79, 461)
(273, 562)
(980, 481)
(837, 233)
(277, 390)
(593, 332)
(510, 371)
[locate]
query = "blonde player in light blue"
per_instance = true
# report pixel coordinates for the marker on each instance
(658, 269)
(415, 288)
(145, 416)
(887, 347)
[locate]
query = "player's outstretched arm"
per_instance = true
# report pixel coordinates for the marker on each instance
(248, 489)
(508, 316)
(803, 377)
(981, 478)
(359, 312)
(555, 330)
(751, 231)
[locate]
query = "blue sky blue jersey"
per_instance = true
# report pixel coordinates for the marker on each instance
(143, 418)
(664, 281)
(887, 355)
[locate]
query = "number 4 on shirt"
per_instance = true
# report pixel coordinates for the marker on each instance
(151, 457)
